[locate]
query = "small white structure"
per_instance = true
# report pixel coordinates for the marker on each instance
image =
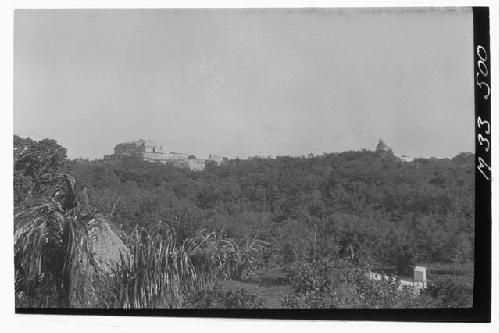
(418, 283)
(218, 159)
(374, 276)
(420, 276)
(406, 158)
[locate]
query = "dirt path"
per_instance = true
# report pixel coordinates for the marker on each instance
(270, 284)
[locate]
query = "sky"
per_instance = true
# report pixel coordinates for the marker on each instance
(250, 82)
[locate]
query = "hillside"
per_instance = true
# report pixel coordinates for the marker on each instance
(293, 232)
(364, 204)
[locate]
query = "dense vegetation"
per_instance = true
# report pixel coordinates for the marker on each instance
(327, 220)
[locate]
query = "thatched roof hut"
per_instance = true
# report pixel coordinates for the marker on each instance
(94, 273)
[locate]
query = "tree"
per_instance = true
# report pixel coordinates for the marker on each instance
(382, 147)
(36, 166)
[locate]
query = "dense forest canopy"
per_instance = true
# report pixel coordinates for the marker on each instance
(364, 204)
(357, 208)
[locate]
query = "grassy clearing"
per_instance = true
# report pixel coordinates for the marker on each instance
(270, 284)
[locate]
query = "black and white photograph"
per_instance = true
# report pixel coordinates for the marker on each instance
(257, 159)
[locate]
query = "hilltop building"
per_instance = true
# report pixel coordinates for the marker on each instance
(147, 150)
(217, 159)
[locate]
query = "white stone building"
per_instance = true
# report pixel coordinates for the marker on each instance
(148, 150)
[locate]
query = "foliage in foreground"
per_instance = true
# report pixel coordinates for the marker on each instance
(58, 262)
(451, 291)
(162, 274)
(341, 284)
(52, 252)
(327, 206)
(56, 265)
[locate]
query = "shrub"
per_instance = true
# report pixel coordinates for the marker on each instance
(451, 291)
(341, 284)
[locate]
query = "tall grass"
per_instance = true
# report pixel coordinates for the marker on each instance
(163, 274)
(57, 264)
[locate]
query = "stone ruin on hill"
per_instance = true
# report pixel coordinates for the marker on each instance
(150, 151)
